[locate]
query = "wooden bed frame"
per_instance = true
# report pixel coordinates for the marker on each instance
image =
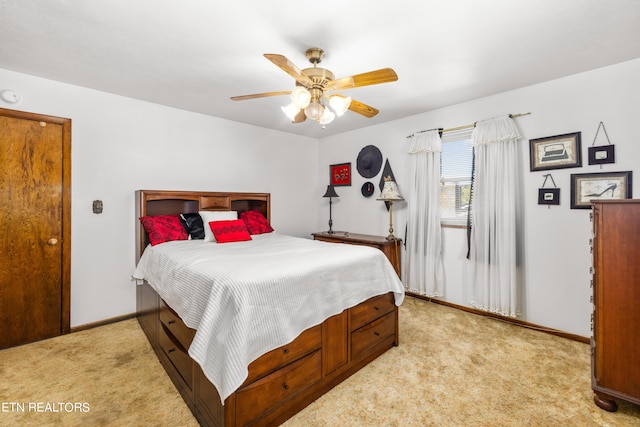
(281, 382)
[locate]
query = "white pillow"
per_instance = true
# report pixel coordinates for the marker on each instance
(208, 216)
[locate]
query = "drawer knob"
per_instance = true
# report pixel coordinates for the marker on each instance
(285, 351)
(376, 334)
(285, 386)
(171, 322)
(375, 308)
(171, 350)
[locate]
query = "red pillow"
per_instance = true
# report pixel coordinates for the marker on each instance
(163, 228)
(256, 222)
(232, 230)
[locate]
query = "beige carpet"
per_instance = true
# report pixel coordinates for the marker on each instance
(451, 369)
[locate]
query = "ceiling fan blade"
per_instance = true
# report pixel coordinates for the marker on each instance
(260, 95)
(383, 75)
(289, 68)
(363, 109)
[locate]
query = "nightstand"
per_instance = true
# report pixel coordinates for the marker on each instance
(391, 248)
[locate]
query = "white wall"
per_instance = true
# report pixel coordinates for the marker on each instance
(120, 145)
(556, 239)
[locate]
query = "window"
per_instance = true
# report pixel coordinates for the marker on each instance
(455, 177)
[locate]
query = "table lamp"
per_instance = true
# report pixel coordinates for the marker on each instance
(390, 194)
(331, 192)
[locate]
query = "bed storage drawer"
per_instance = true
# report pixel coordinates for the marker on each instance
(305, 343)
(177, 355)
(256, 398)
(176, 326)
(370, 335)
(370, 310)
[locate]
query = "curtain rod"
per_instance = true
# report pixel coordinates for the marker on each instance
(513, 116)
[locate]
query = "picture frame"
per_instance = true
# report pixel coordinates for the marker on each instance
(340, 174)
(599, 186)
(555, 152)
(602, 155)
(548, 196)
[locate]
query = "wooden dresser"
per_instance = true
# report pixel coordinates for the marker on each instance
(615, 343)
(391, 248)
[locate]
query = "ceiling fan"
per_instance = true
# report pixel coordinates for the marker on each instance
(315, 89)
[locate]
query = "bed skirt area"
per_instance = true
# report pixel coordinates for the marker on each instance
(281, 382)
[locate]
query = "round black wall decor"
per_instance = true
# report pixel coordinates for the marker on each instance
(367, 189)
(369, 161)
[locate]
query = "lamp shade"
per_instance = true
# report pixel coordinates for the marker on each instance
(300, 97)
(291, 111)
(331, 192)
(340, 104)
(390, 192)
(314, 111)
(327, 117)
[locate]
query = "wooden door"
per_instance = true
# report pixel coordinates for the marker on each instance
(35, 171)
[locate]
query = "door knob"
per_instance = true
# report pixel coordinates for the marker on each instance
(52, 241)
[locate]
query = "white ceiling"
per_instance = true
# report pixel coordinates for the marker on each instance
(196, 54)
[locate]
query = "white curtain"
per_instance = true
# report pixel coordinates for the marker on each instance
(495, 210)
(423, 272)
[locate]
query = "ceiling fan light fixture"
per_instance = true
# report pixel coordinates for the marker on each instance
(291, 111)
(314, 111)
(327, 117)
(301, 97)
(340, 104)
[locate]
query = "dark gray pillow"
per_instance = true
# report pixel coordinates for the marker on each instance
(192, 222)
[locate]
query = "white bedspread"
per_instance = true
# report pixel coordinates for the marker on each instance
(247, 298)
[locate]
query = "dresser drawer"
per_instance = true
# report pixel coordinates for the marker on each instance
(370, 310)
(177, 355)
(176, 326)
(305, 343)
(373, 333)
(256, 398)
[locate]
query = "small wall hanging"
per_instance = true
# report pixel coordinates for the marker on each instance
(367, 189)
(602, 154)
(340, 174)
(548, 196)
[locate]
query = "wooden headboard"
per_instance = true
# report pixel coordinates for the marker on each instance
(162, 202)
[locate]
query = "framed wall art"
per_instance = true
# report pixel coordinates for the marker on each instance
(600, 155)
(555, 152)
(598, 186)
(340, 174)
(548, 196)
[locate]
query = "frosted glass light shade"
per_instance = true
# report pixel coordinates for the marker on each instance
(340, 104)
(301, 97)
(290, 111)
(327, 117)
(314, 110)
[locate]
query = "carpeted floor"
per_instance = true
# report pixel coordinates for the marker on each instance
(451, 369)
